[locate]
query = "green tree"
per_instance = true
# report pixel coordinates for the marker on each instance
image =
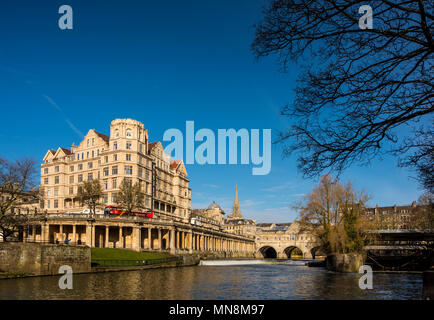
(130, 196)
(90, 193)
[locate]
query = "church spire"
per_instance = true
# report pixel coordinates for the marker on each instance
(236, 212)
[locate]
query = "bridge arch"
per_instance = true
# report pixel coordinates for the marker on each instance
(268, 252)
(294, 252)
(317, 251)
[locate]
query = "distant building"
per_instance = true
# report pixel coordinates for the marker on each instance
(236, 224)
(212, 217)
(394, 217)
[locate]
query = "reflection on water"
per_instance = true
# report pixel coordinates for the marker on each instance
(268, 281)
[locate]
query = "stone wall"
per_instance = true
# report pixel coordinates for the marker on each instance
(37, 259)
(344, 262)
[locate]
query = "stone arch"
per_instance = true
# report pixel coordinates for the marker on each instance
(268, 252)
(317, 251)
(291, 250)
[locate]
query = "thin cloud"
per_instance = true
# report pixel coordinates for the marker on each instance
(211, 185)
(58, 108)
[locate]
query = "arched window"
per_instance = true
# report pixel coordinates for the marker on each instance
(129, 133)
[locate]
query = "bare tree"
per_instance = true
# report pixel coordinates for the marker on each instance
(17, 180)
(332, 212)
(130, 196)
(358, 89)
(90, 192)
(423, 215)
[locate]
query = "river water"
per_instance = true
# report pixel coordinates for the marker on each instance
(288, 280)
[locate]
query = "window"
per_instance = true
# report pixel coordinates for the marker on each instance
(56, 203)
(105, 185)
(93, 153)
(115, 157)
(114, 185)
(147, 175)
(88, 142)
(71, 190)
(128, 157)
(48, 204)
(71, 179)
(115, 146)
(48, 192)
(105, 198)
(128, 170)
(89, 165)
(140, 171)
(114, 198)
(78, 156)
(56, 180)
(129, 133)
(87, 155)
(56, 192)
(56, 169)
(90, 176)
(141, 148)
(80, 166)
(93, 141)
(106, 159)
(80, 178)
(105, 171)
(71, 169)
(117, 133)
(46, 181)
(128, 145)
(45, 170)
(115, 170)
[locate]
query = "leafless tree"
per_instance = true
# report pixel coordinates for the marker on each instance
(361, 92)
(332, 211)
(17, 181)
(90, 193)
(130, 196)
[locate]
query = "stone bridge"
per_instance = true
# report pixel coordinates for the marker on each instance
(283, 241)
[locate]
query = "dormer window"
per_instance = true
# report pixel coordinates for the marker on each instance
(129, 133)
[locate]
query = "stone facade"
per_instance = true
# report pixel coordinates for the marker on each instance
(125, 154)
(392, 217)
(280, 240)
(36, 259)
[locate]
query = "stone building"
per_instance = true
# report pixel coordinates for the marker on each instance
(125, 154)
(211, 217)
(392, 217)
(236, 224)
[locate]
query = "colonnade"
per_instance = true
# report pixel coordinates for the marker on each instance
(176, 239)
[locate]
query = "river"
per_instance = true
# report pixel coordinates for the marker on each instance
(253, 281)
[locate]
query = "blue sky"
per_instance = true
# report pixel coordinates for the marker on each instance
(162, 63)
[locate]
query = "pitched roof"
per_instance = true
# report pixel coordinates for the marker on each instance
(103, 136)
(67, 151)
(175, 163)
(152, 145)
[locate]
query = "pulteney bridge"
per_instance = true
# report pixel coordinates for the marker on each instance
(280, 241)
